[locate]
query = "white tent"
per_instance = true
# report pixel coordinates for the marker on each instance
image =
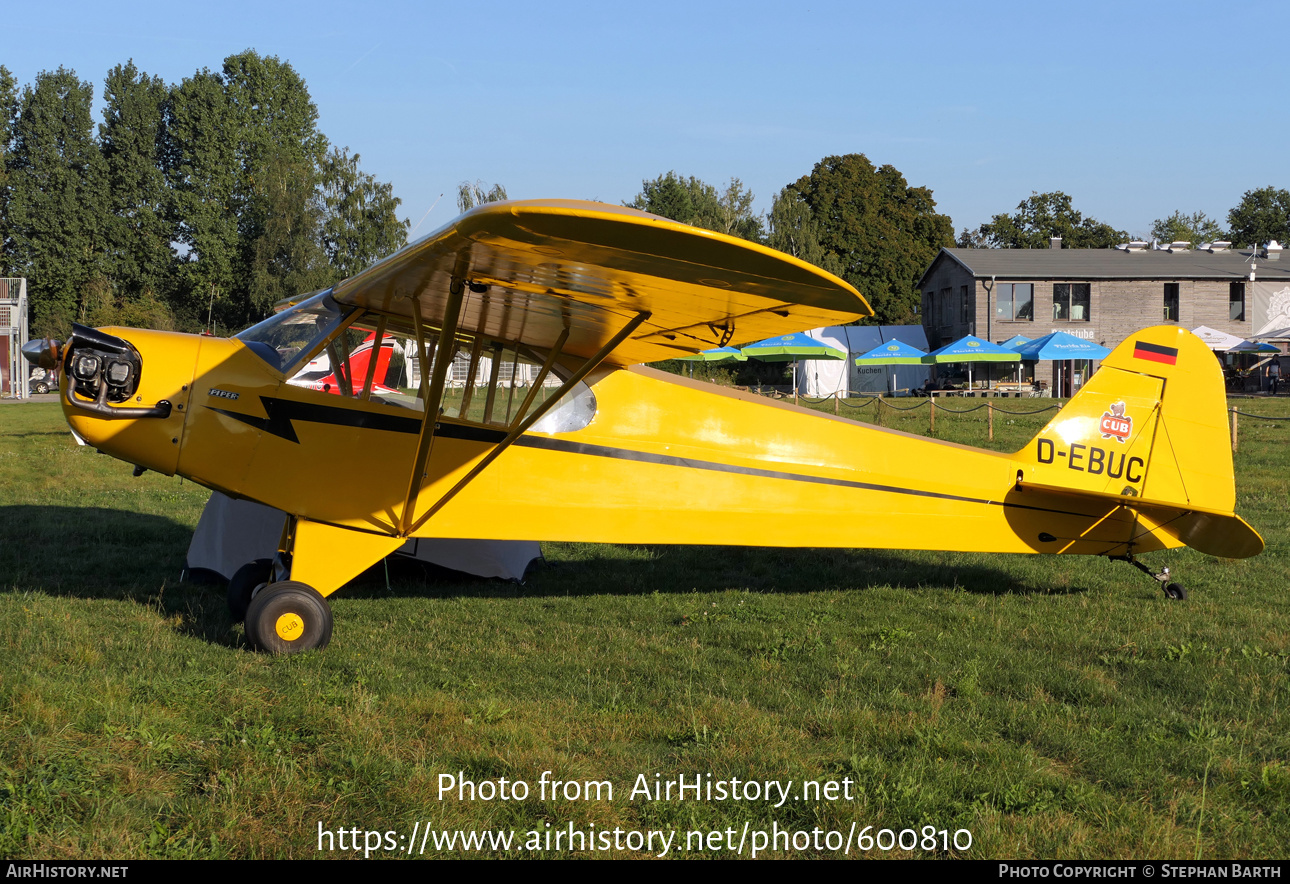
(232, 532)
(821, 378)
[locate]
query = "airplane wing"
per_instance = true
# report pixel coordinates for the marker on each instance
(538, 267)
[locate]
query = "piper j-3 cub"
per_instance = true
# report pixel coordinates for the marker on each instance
(515, 388)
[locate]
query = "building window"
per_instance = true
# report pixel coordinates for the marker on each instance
(1171, 302)
(1015, 301)
(1236, 302)
(947, 307)
(1071, 301)
(965, 311)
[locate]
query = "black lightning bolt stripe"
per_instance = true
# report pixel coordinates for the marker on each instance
(281, 412)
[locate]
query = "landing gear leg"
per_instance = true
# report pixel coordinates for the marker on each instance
(1171, 590)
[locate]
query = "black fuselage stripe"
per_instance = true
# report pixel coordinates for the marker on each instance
(565, 446)
(320, 414)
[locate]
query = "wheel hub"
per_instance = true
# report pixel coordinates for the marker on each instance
(289, 627)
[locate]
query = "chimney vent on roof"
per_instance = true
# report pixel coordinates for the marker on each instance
(1054, 242)
(1218, 245)
(1136, 245)
(1272, 251)
(1179, 246)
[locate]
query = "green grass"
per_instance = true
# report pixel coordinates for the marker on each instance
(1052, 707)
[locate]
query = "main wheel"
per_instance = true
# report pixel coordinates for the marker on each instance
(1175, 591)
(243, 584)
(287, 618)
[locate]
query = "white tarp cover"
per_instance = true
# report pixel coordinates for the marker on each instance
(232, 532)
(820, 378)
(1271, 309)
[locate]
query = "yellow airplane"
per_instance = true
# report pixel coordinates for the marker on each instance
(515, 407)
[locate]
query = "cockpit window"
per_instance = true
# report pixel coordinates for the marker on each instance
(287, 338)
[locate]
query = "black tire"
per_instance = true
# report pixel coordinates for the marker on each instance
(288, 618)
(1175, 591)
(243, 584)
(42, 387)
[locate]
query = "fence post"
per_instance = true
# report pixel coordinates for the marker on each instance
(1234, 413)
(933, 427)
(837, 397)
(989, 413)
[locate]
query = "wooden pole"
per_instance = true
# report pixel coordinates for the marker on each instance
(837, 397)
(933, 427)
(1233, 429)
(989, 413)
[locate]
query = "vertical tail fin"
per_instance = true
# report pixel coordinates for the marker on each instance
(1150, 427)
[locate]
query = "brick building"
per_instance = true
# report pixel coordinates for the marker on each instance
(1101, 295)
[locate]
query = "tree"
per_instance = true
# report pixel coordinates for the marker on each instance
(1038, 219)
(201, 169)
(1262, 215)
(471, 195)
(695, 202)
(882, 232)
(56, 199)
(279, 153)
(794, 230)
(8, 111)
(1195, 228)
(138, 230)
(359, 221)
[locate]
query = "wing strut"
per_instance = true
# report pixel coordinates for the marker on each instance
(434, 395)
(517, 431)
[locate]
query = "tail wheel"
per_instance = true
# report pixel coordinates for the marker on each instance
(287, 618)
(243, 584)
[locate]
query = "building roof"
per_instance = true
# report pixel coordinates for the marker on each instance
(1082, 264)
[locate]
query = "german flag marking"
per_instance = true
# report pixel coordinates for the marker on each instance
(1155, 353)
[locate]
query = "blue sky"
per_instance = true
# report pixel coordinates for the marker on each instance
(1135, 110)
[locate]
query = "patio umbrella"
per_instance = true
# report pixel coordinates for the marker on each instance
(1215, 339)
(720, 354)
(716, 355)
(1254, 347)
(892, 353)
(1061, 347)
(970, 349)
(791, 348)
(1014, 342)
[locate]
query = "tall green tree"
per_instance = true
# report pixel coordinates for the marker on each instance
(695, 202)
(1039, 218)
(139, 230)
(279, 156)
(881, 231)
(8, 111)
(1195, 228)
(200, 151)
(793, 229)
(471, 195)
(57, 200)
(1261, 215)
(360, 225)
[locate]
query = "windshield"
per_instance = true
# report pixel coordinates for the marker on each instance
(285, 339)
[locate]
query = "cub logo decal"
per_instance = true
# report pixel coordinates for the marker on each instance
(1116, 424)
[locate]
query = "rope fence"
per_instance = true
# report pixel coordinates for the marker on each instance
(930, 403)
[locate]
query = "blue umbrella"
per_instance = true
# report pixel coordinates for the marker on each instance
(719, 354)
(791, 348)
(1061, 346)
(1015, 341)
(892, 353)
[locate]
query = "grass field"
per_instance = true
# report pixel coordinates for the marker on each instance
(1049, 707)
